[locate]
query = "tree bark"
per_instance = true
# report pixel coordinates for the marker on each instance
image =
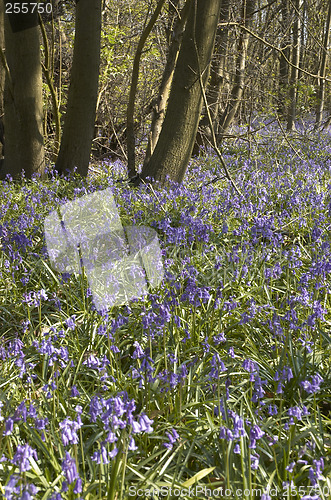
(295, 60)
(228, 115)
(174, 147)
(322, 71)
(284, 57)
(131, 146)
(217, 74)
(2, 75)
(159, 110)
(216, 81)
(79, 120)
(2, 48)
(23, 103)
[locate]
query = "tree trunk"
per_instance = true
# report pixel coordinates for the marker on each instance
(2, 48)
(216, 81)
(174, 147)
(130, 135)
(284, 57)
(217, 75)
(159, 110)
(23, 98)
(2, 75)
(238, 87)
(322, 71)
(295, 60)
(79, 120)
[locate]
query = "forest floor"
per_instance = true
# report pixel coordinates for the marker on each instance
(217, 383)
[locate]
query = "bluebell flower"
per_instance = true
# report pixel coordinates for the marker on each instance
(272, 409)
(145, 423)
(226, 433)
(290, 467)
(112, 454)
(132, 444)
(173, 436)
(255, 433)
(69, 431)
(250, 366)
(231, 352)
(238, 426)
(22, 457)
(12, 488)
(219, 338)
(314, 385)
(9, 425)
(74, 392)
(71, 322)
(101, 456)
(255, 459)
(138, 352)
(69, 468)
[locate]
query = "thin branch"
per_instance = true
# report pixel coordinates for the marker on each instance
(295, 151)
(277, 49)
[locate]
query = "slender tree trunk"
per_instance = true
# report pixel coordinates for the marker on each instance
(131, 146)
(174, 147)
(159, 110)
(295, 59)
(284, 57)
(23, 98)
(238, 87)
(2, 48)
(216, 81)
(2, 74)
(79, 120)
(217, 72)
(322, 70)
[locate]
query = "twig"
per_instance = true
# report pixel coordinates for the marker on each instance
(287, 141)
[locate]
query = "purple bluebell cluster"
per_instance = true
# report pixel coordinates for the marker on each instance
(224, 366)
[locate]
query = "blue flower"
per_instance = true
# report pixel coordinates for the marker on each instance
(173, 437)
(69, 468)
(145, 423)
(255, 433)
(22, 457)
(314, 385)
(71, 322)
(74, 392)
(69, 431)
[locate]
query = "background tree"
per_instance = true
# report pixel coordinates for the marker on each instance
(133, 87)
(231, 108)
(176, 28)
(175, 144)
(216, 82)
(248, 85)
(322, 68)
(23, 97)
(2, 74)
(78, 129)
(284, 56)
(294, 73)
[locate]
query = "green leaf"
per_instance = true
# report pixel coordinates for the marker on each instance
(198, 476)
